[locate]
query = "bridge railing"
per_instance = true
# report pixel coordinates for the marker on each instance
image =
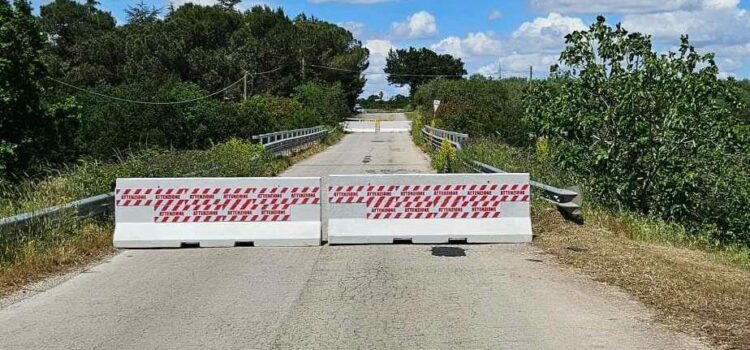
(567, 200)
(288, 141)
(436, 136)
(276, 142)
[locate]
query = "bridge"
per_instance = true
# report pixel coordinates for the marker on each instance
(324, 297)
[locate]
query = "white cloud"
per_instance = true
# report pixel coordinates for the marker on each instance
(178, 3)
(474, 45)
(717, 25)
(609, 6)
(545, 34)
(356, 28)
(376, 81)
(517, 65)
(379, 49)
(628, 6)
(495, 15)
(350, 1)
(241, 6)
(419, 25)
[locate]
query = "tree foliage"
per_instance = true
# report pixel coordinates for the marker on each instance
(656, 133)
(29, 132)
(377, 102)
(175, 54)
(477, 106)
(414, 67)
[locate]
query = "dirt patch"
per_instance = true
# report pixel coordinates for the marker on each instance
(690, 291)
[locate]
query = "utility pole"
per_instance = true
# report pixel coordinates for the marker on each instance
(499, 70)
(244, 88)
(303, 64)
(531, 73)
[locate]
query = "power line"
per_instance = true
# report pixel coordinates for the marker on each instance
(393, 74)
(160, 103)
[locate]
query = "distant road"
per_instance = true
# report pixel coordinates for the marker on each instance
(333, 297)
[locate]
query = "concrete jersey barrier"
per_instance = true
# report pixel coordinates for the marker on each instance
(217, 212)
(476, 208)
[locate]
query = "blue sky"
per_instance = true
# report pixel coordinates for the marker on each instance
(514, 33)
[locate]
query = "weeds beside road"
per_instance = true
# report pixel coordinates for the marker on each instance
(50, 248)
(695, 286)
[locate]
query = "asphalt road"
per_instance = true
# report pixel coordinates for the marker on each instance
(332, 297)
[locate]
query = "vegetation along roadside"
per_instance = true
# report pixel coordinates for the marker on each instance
(50, 248)
(660, 146)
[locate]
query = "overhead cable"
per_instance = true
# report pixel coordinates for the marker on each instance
(157, 102)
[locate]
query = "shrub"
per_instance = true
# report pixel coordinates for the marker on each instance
(477, 106)
(651, 133)
(323, 104)
(445, 159)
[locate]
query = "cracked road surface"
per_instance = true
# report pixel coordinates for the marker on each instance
(340, 297)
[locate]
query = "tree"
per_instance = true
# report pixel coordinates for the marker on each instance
(655, 133)
(326, 44)
(415, 67)
(141, 14)
(27, 132)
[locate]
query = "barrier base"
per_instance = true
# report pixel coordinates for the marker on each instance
(418, 239)
(217, 243)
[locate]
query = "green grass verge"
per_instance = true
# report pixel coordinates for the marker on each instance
(629, 224)
(52, 247)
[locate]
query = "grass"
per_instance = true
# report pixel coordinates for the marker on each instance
(58, 249)
(632, 225)
(699, 292)
(693, 285)
(48, 248)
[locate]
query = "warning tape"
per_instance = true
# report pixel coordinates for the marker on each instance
(237, 204)
(430, 201)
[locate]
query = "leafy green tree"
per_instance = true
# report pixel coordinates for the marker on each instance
(71, 27)
(653, 133)
(415, 67)
(20, 71)
(478, 106)
(327, 103)
(141, 14)
(743, 89)
(325, 44)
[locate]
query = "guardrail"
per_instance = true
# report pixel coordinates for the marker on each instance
(84, 208)
(436, 136)
(567, 200)
(288, 141)
(277, 143)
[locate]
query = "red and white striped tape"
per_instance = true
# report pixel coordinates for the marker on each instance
(430, 201)
(236, 204)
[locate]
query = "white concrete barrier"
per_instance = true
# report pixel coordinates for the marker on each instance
(476, 208)
(365, 126)
(217, 212)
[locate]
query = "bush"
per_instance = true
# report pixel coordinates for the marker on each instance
(235, 158)
(110, 127)
(323, 104)
(477, 106)
(652, 133)
(445, 159)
